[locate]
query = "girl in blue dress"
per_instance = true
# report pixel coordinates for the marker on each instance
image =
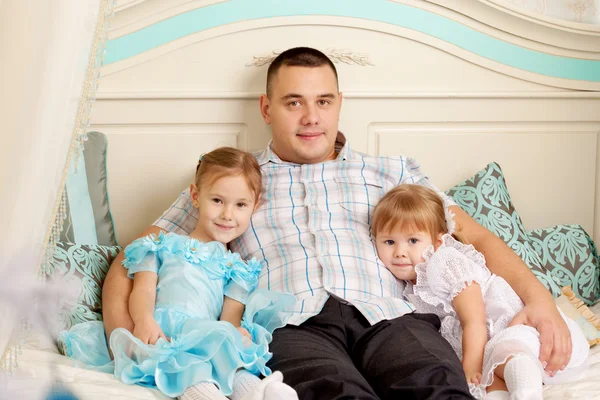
(202, 329)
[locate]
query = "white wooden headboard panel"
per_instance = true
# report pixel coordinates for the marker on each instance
(455, 112)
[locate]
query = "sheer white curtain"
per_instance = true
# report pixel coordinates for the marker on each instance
(45, 48)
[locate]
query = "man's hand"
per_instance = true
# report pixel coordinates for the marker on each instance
(148, 331)
(555, 337)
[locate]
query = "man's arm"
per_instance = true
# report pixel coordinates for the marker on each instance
(540, 310)
(115, 293)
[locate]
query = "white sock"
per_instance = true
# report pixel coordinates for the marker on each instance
(243, 383)
(272, 388)
(497, 395)
(523, 378)
(202, 391)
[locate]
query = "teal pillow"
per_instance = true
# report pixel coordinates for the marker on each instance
(485, 197)
(82, 268)
(570, 255)
(88, 219)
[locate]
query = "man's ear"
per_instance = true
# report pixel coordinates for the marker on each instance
(265, 108)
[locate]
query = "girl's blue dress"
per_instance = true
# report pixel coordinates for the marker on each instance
(193, 277)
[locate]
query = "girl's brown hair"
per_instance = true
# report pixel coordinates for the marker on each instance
(410, 206)
(229, 161)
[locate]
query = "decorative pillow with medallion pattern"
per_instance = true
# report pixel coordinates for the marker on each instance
(82, 268)
(485, 197)
(570, 255)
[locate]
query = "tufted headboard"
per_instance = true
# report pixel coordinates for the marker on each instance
(454, 84)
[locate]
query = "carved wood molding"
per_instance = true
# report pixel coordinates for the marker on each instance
(336, 55)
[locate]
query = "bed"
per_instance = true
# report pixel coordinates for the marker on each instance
(455, 84)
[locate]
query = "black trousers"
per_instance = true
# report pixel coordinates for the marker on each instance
(339, 355)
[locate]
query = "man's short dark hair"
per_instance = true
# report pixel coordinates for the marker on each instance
(298, 57)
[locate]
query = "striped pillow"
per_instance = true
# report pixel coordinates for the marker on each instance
(88, 218)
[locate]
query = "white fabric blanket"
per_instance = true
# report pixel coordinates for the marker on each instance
(39, 358)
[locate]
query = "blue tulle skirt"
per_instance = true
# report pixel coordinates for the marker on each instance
(199, 350)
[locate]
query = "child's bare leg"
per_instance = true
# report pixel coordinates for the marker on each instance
(499, 371)
(498, 384)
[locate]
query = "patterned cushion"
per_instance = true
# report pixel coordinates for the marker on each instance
(570, 255)
(83, 269)
(485, 197)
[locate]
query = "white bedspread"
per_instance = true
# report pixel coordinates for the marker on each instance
(39, 359)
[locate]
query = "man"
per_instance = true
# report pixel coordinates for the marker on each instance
(352, 335)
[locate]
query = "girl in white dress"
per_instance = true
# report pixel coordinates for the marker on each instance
(416, 240)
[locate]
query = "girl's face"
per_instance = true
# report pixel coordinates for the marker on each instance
(224, 209)
(400, 251)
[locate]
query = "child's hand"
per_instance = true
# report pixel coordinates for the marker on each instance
(473, 377)
(244, 332)
(148, 331)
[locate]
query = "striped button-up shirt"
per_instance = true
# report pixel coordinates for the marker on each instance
(312, 230)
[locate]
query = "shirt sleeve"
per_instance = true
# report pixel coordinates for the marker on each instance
(181, 217)
(414, 175)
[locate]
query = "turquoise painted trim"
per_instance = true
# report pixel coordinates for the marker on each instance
(376, 10)
(80, 204)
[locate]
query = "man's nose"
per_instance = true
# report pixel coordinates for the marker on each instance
(311, 115)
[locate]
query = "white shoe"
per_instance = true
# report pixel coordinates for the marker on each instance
(272, 388)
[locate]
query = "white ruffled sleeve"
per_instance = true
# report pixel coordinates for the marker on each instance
(447, 271)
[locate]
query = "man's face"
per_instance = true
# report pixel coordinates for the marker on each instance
(303, 110)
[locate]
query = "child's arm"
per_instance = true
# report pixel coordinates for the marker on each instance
(244, 279)
(470, 310)
(232, 313)
(141, 307)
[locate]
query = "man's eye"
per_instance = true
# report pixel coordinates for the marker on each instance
(324, 102)
(294, 103)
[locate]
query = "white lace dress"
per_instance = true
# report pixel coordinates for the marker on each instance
(454, 266)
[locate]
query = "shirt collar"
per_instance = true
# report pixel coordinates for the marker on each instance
(341, 147)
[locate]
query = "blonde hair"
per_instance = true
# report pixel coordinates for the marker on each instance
(229, 161)
(410, 206)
